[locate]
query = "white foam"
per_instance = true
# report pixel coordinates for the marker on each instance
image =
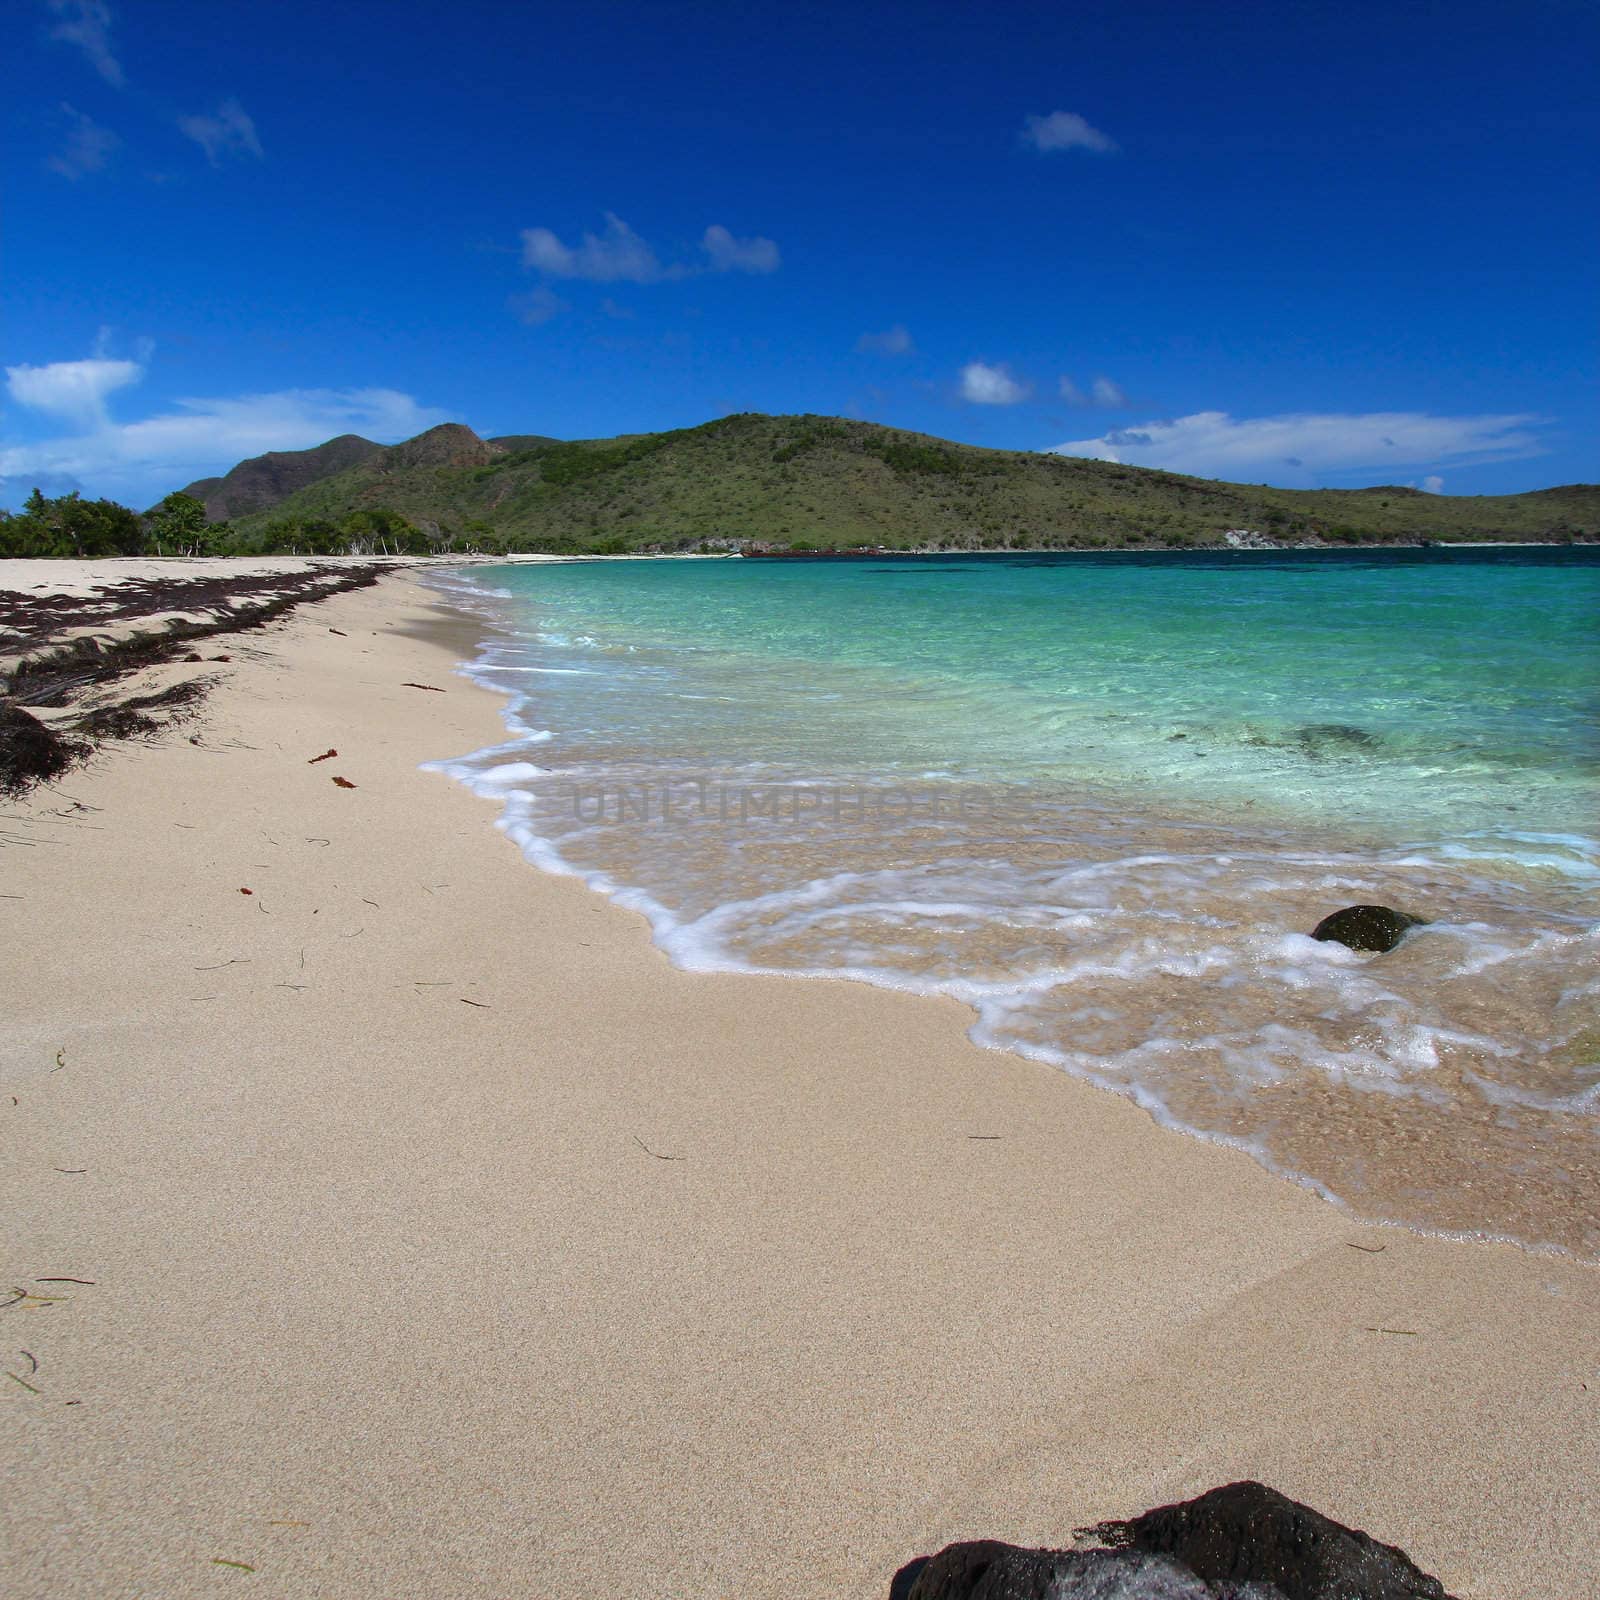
(508, 772)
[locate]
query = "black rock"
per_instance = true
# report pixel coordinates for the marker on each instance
(990, 1571)
(1366, 927)
(1333, 738)
(1242, 1542)
(1248, 1533)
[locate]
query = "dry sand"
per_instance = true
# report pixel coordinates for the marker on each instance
(622, 1280)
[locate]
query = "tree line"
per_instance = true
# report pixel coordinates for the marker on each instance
(70, 526)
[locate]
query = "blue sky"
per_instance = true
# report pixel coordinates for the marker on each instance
(1298, 243)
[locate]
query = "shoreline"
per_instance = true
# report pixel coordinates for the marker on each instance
(1364, 1114)
(616, 1269)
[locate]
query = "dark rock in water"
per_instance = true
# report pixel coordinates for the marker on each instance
(1248, 1533)
(30, 752)
(1332, 738)
(1367, 927)
(1243, 1542)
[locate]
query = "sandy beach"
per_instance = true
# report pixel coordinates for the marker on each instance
(438, 1239)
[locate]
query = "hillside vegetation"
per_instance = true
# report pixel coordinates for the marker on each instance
(263, 481)
(749, 481)
(826, 481)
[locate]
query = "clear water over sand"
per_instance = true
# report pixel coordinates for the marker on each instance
(1104, 799)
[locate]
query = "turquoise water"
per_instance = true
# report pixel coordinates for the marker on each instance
(1102, 799)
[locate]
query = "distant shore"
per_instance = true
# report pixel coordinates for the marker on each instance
(391, 1218)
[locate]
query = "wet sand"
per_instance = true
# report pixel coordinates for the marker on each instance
(444, 1240)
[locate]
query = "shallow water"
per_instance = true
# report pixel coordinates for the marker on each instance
(1103, 800)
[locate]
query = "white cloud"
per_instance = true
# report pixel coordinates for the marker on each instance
(230, 428)
(728, 254)
(895, 341)
(1433, 484)
(229, 131)
(538, 305)
(618, 255)
(1065, 130)
(1299, 447)
(139, 461)
(88, 146)
(75, 390)
(984, 385)
(87, 24)
(1103, 393)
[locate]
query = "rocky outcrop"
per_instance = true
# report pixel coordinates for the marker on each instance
(1249, 539)
(1375, 928)
(451, 444)
(1241, 1542)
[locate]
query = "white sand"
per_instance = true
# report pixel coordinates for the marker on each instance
(394, 1296)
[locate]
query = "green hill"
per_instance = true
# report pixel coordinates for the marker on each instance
(828, 481)
(264, 481)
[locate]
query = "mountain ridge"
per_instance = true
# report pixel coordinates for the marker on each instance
(777, 481)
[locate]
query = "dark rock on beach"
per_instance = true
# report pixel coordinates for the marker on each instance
(1376, 928)
(1248, 1533)
(989, 1571)
(1242, 1542)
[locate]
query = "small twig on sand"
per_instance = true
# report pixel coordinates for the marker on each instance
(89, 1281)
(431, 688)
(326, 755)
(234, 961)
(656, 1153)
(219, 1561)
(1405, 1333)
(70, 1172)
(482, 1005)
(23, 1381)
(986, 1136)
(340, 631)
(33, 1361)
(1368, 1249)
